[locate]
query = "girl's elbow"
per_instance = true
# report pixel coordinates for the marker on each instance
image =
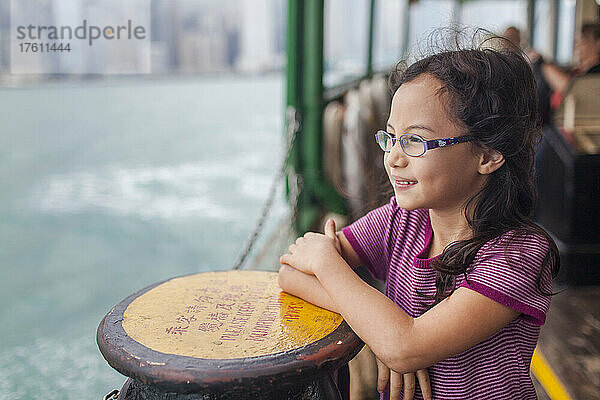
(394, 363)
(404, 365)
(399, 361)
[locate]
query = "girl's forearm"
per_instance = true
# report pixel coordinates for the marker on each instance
(304, 286)
(379, 322)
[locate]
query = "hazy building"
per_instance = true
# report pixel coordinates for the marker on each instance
(258, 31)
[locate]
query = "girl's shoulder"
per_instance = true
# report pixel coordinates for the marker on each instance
(510, 269)
(516, 238)
(517, 248)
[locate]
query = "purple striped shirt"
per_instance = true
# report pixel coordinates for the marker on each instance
(392, 243)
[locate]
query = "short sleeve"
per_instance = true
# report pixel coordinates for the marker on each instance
(507, 270)
(370, 237)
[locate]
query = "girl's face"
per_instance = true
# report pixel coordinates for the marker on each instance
(442, 179)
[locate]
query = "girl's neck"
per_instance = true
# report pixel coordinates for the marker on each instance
(447, 227)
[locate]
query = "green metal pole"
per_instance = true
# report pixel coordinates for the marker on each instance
(304, 85)
(312, 106)
(371, 29)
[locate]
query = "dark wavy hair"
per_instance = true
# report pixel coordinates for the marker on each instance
(491, 92)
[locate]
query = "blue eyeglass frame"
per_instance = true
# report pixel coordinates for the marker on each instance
(428, 144)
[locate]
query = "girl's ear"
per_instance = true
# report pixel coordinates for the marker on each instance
(490, 160)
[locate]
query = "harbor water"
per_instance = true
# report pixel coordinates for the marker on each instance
(110, 186)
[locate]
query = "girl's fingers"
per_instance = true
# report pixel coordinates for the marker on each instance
(330, 233)
(409, 386)
(330, 229)
(291, 248)
(287, 259)
(383, 376)
(424, 384)
(395, 385)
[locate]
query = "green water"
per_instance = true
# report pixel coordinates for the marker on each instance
(109, 187)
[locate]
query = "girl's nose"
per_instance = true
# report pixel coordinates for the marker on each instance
(396, 157)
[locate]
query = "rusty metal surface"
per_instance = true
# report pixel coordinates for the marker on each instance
(182, 374)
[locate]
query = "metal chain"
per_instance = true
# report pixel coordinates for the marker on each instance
(112, 395)
(293, 126)
(295, 189)
(295, 183)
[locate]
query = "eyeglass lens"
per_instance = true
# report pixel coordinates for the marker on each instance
(411, 144)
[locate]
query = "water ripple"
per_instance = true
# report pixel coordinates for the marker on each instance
(177, 191)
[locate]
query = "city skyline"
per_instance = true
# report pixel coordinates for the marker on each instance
(205, 36)
(248, 36)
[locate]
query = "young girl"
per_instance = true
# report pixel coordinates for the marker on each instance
(468, 275)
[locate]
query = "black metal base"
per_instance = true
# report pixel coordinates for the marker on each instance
(315, 390)
(305, 372)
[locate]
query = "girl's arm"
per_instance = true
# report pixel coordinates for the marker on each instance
(401, 342)
(307, 286)
(347, 251)
(406, 344)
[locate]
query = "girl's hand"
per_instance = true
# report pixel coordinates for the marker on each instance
(313, 250)
(396, 380)
(329, 231)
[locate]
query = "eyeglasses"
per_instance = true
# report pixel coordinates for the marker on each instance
(414, 145)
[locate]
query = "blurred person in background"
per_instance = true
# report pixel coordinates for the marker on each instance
(512, 34)
(587, 50)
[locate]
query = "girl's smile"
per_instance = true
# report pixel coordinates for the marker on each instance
(403, 183)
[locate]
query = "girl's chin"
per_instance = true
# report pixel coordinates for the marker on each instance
(405, 203)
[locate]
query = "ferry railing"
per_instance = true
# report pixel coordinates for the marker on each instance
(306, 93)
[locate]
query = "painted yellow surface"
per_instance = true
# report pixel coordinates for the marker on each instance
(222, 315)
(547, 377)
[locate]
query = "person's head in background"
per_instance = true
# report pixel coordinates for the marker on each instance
(513, 35)
(587, 45)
